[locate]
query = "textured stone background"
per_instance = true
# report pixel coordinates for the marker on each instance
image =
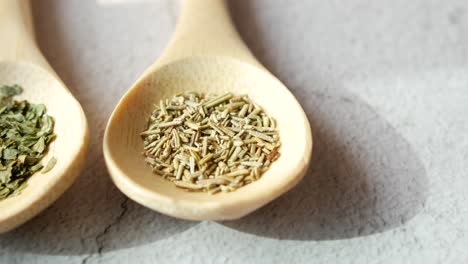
(384, 84)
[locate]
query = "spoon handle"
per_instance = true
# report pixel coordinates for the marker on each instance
(205, 28)
(17, 34)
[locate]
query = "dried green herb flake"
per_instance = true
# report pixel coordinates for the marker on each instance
(26, 130)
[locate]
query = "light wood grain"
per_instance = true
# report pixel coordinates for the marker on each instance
(22, 63)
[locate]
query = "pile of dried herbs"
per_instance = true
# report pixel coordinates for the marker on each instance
(211, 144)
(25, 132)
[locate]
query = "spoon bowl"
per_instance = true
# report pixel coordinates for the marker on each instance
(21, 63)
(195, 68)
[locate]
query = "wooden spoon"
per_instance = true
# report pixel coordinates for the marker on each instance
(22, 63)
(206, 55)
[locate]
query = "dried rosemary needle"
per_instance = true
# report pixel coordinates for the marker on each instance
(210, 143)
(25, 132)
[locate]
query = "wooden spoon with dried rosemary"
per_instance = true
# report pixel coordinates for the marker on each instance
(216, 120)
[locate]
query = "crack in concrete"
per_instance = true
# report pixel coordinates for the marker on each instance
(326, 96)
(99, 239)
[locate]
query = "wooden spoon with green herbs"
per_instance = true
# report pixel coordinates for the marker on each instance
(206, 57)
(44, 127)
